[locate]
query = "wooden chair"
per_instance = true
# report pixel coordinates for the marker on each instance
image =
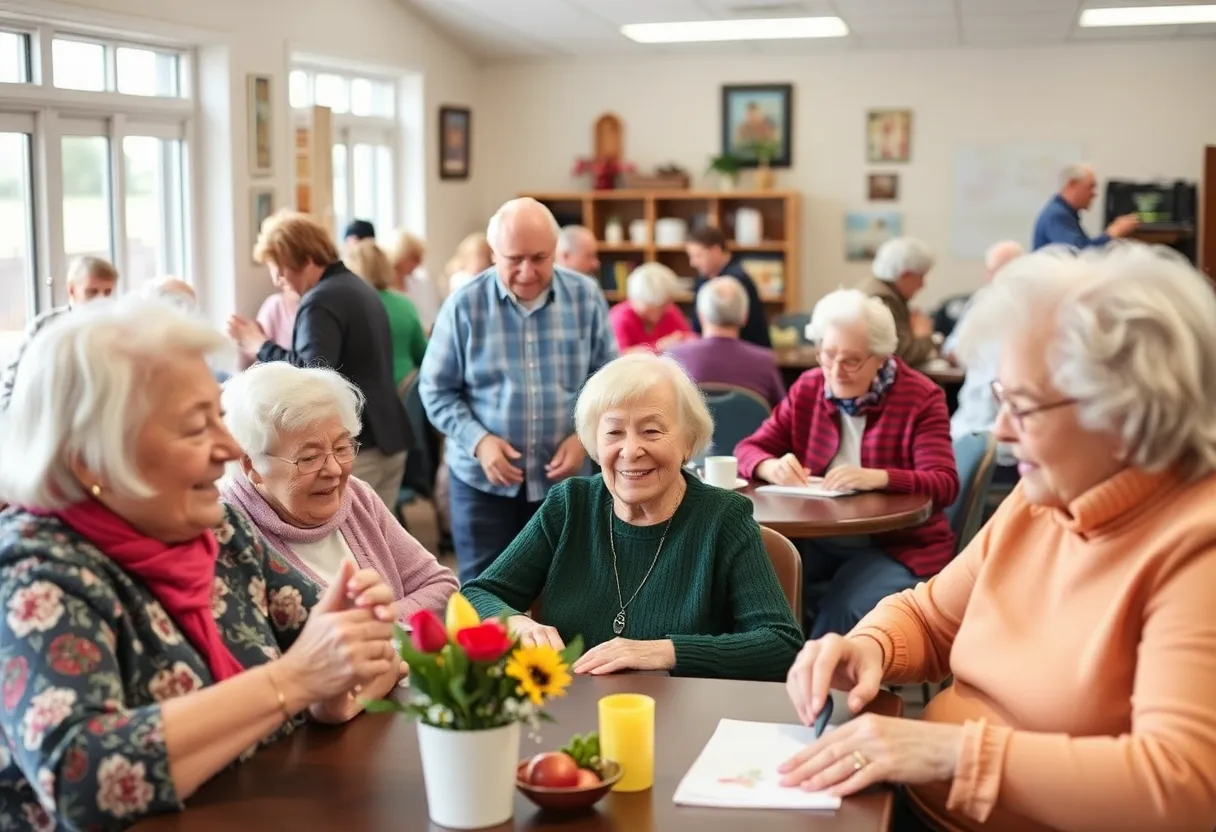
(787, 563)
(975, 456)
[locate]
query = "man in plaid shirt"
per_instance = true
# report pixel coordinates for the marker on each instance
(507, 358)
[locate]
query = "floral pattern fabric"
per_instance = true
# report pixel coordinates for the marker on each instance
(86, 655)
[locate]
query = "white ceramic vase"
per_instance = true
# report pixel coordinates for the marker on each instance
(469, 775)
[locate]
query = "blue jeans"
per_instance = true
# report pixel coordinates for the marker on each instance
(483, 525)
(843, 579)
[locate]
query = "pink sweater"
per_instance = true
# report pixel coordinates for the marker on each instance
(374, 536)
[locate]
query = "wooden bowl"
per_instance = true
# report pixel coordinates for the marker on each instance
(569, 800)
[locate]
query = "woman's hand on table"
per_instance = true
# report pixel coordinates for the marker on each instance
(627, 654)
(532, 633)
(787, 470)
(850, 664)
(852, 478)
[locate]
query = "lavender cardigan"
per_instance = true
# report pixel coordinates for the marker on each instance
(374, 536)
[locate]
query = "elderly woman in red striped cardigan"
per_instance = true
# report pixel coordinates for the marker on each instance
(862, 421)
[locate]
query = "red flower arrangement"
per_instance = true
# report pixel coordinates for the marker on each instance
(605, 171)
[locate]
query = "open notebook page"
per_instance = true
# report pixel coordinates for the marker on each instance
(812, 490)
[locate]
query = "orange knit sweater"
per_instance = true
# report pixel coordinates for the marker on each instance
(1083, 648)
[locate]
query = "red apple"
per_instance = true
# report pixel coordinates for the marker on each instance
(587, 777)
(553, 770)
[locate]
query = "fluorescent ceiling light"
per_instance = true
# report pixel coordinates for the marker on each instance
(694, 31)
(1149, 16)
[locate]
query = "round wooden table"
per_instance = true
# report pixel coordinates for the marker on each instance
(367, 775)
(807, 517)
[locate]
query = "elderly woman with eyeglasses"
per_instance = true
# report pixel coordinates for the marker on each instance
(1078, 623)
(862, 421)
(296, 428)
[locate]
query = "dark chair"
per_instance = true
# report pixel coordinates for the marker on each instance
(975, 458)
(948, 313)
(737, 413)
(422, 461)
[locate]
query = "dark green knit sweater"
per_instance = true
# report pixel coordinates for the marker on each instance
(713, 591)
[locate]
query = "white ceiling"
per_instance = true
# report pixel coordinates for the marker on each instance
(539, 29)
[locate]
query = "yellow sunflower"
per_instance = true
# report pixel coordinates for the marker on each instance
(540, 672)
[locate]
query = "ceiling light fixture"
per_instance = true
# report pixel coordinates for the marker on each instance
(700, 31)
(1149, 16)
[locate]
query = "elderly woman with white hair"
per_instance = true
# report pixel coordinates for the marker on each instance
(1078, 623)
(862, 421)
(898, 273)
(655, 569)
(648, 319)
(296, 428)
(150, 637)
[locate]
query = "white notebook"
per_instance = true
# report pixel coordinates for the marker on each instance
(801, 491)
(738, 769)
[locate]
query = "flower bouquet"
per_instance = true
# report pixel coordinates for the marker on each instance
(471, 685)
(605, 171)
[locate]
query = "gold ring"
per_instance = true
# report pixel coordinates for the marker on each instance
(859, 761)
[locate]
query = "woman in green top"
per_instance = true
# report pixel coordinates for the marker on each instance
(655, 569)
(365, 259)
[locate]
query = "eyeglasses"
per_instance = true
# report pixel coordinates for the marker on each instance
(849, 365)
(1018, 414)
(312, 463)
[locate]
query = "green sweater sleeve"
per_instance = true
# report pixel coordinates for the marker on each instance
(766, 638)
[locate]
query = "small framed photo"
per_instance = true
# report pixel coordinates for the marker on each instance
(261, 206)
(889, 135)
(261, 125)
(882, 187)
(455, 133)
(757, 120)
(865, 231)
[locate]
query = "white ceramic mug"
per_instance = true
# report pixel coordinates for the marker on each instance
(721, 471)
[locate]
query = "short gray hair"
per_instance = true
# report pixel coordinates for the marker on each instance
(512, 207)
(84, 267)
(1074, 172)
(899, 256)
(851, 306)
(1135, 344)
(1000, 254)
(82, 394)
(568, 237)
(173, 291)
(652, 284)
(629, 379)
(274, 399)
(723, 302)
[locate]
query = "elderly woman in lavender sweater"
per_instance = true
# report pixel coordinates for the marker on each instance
(297, 427)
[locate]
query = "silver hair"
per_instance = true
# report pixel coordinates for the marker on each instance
(899, 256)
(1000, 254)
(723, 302)
(850, 306)
(270, 401)
(512, 207)
(1135, 344)
(652, 284)
(82, 394)
(1074, 172)
(568, 237)
(629, 379)
(83, 267)
(173, 291)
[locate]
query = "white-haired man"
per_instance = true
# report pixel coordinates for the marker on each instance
(506, 360)
(1059, 223)
(89, 278)
(899, 270)
(576, 250)
(719, 356)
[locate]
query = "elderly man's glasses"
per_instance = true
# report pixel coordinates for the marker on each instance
(1018, 414)
(311, 463)
(850, 365)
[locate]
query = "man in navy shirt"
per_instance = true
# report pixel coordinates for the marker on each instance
(708, 255)
(1060, 220)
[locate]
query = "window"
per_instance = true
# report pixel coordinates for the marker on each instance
(155, 222)
(147, 72)
(16, 236)
(88, 226)
(86, 65)
(14, 58)
(78, 65)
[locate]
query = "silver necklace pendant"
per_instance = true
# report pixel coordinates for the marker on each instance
(618, 623)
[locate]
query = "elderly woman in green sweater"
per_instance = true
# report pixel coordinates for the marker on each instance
(655, 569)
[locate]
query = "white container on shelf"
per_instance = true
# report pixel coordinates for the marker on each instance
(639, 233)
(614, 232)
(749, 227)
(670, 231)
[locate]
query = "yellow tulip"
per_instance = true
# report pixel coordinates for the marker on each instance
(461, 615)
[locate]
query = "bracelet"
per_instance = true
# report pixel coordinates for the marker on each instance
(279, 693)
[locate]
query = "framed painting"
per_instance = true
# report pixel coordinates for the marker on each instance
(261, 126)
(454, 140)
(261, 206)
(757, 124)
(888, 135)
(882, 187)
(865, 231)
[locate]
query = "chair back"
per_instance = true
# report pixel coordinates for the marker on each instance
(949, 313)
(422, 461)
(737, 413)
(787, 563)
(975, 458)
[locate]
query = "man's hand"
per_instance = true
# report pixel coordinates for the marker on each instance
(567, 461)
(495, 455)
(247, 334)
(1122, 226)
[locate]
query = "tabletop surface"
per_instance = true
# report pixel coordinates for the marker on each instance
(806, 517)
(367, 775)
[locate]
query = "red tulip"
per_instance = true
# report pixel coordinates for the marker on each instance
(487, 642)
(428, 634)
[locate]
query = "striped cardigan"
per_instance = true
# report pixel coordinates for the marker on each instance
(907, 434)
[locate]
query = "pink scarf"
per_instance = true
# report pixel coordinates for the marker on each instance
(180, 577)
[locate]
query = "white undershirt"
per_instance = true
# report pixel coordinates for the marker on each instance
(849, 452)
(324, 556)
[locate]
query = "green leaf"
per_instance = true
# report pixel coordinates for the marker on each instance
(573, 650)
(385, 706)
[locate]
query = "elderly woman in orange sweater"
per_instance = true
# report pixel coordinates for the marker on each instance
(1078, 624)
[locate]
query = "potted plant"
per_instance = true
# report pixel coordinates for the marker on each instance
(726, 168)
(765, 150)
(471, 685)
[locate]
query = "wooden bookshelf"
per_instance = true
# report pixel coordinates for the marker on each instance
(772, 262)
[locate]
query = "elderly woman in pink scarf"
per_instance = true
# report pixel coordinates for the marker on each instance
(296, 428)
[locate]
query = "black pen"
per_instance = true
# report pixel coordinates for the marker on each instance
(825, 714)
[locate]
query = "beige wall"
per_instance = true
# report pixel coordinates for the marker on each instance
(1137, 110)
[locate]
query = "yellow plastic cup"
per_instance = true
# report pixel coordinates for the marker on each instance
(627, 737)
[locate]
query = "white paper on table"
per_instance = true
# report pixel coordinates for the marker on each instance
(738, 769)
(802, 491)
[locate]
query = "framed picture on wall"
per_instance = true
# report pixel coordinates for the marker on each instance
(261, 126)
(261, 206)
(865, 231)
(454, 138)
(888, 135)
(882, 187)
(757, 120)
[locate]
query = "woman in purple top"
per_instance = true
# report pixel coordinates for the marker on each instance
(297, 427)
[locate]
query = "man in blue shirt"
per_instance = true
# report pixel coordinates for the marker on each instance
(1059, 223)
(505, 363)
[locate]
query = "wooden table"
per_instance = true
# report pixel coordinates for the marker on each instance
(807, 517)
(367, 776)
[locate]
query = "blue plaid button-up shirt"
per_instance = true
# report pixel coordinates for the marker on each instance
(494, 366)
